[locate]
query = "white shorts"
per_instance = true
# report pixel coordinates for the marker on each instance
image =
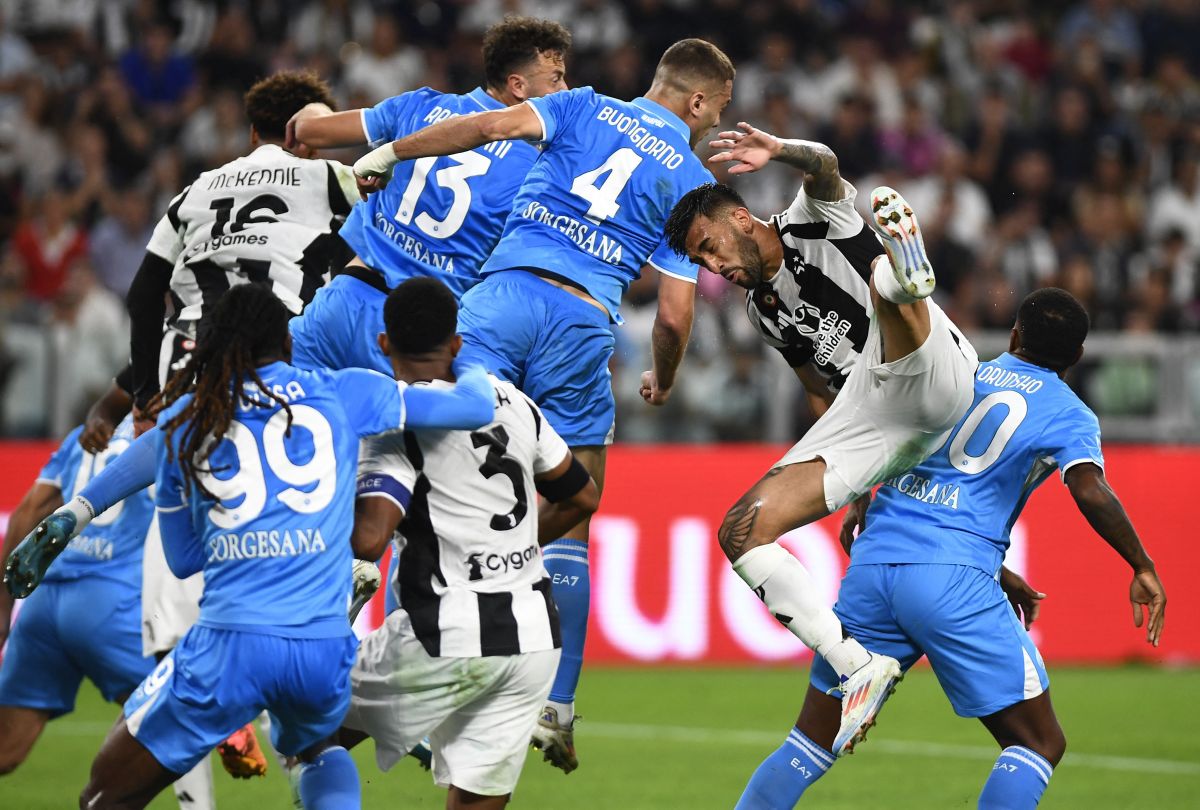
(170, 606)
(889, 417)
(478, 713)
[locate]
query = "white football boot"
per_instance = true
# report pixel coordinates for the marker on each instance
(893, 219)
(863, 694)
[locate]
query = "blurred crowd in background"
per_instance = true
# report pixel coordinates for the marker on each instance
(1040, 143)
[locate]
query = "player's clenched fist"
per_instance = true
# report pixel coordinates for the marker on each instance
(650, 390)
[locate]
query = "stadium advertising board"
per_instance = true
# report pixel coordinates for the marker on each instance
(662, 591)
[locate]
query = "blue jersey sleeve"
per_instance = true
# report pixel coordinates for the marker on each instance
(556, 110)
(375, 403)
(390, 118)
(666, 260)
(131, 472)
(1074, 438)
(181, 546)
(59, 465)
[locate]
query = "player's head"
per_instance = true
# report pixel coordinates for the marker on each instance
(1050, 329)
(272, 101)
(524, 57)
(696, 78)
(711, 226)
(247, 329)
(421, 319)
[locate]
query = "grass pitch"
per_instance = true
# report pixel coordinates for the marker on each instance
(674, 738)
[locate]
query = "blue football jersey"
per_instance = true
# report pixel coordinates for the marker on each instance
(274, 542)
(593, 207)
(439, 216)
(959, 506)
(111, 545)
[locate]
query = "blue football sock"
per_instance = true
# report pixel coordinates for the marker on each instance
(330, 782)
(566, 560)
(1018, 780)
(786, 774)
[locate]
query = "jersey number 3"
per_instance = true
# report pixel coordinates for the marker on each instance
(497, 463)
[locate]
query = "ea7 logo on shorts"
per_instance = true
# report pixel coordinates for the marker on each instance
(478, 562)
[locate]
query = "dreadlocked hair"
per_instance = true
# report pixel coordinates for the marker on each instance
(247, 325)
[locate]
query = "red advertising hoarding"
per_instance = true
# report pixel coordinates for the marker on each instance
(662, 591)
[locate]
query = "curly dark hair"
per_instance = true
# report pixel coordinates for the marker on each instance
(420, 315)
(247, 325)
(1052, 325)
(275, 99)
(513, 43)
(702, 201)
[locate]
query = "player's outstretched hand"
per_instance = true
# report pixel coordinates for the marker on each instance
(751, 148)
(854, 521)
(650, 390)
(1147, 590)
(1025, 599)
(96, 434)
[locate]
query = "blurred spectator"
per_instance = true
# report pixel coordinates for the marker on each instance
(386, 67)
(1177, 206)
(216, 133)
(17, 63)
(852, 136)
(1111, 26)
(954, 205)
(45, 246)
(328, 25)
(159, 76)
(118, 242)
(916, 141)
(773, 72)
(860, 70)
(232, 61)
(109, 106)
(993, 141)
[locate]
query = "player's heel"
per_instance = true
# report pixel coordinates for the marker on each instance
(893, 219)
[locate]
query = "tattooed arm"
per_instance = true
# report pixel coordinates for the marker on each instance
(751, 148)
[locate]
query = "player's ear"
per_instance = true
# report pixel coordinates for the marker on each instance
(455, 345)
(518, 88)
(384, 346)
(1014, 340)
(255, 138)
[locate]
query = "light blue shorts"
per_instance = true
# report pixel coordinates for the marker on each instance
(552, 345)
(69, 630)
(340, 328)
(216, 681)
(958, 616)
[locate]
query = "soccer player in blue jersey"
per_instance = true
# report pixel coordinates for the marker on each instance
(85, 621)
(588, 218)
(255, 486)
(440, 216)
(925, 575)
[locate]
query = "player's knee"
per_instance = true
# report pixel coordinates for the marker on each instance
(736, 534)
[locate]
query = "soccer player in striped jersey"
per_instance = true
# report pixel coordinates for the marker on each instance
(440, 216)
(925, 576)
(255, 487)
(84, 621)
(853, 319)
(473, 594)
(588, 218)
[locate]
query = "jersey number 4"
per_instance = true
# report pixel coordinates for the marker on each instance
(497, 463)
(601, 197)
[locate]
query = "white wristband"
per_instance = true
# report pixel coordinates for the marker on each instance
(377, 162)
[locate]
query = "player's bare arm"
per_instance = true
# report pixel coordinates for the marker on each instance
(669, 338)
(103, 417)
(569, 495)
(752, 148)
(318, 127)
(375, 519)
(454, 135)
(1025, 599)
(1103, 510)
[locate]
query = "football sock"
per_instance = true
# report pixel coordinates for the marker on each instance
(790, 593)
(786, 774)
(194, 790)
(567, 562)
(330, 782)
(1018, 780)
(887, 285)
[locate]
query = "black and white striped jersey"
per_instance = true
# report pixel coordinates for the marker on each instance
(470, 571)
(817, 307)
(269, 217)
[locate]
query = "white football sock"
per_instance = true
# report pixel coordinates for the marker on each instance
(887, 285)
(566, 711)
(194, 790)
(790, 593)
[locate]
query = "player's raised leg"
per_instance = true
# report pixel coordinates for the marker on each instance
(785, 498)
(1033, 743)
(903, 278)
